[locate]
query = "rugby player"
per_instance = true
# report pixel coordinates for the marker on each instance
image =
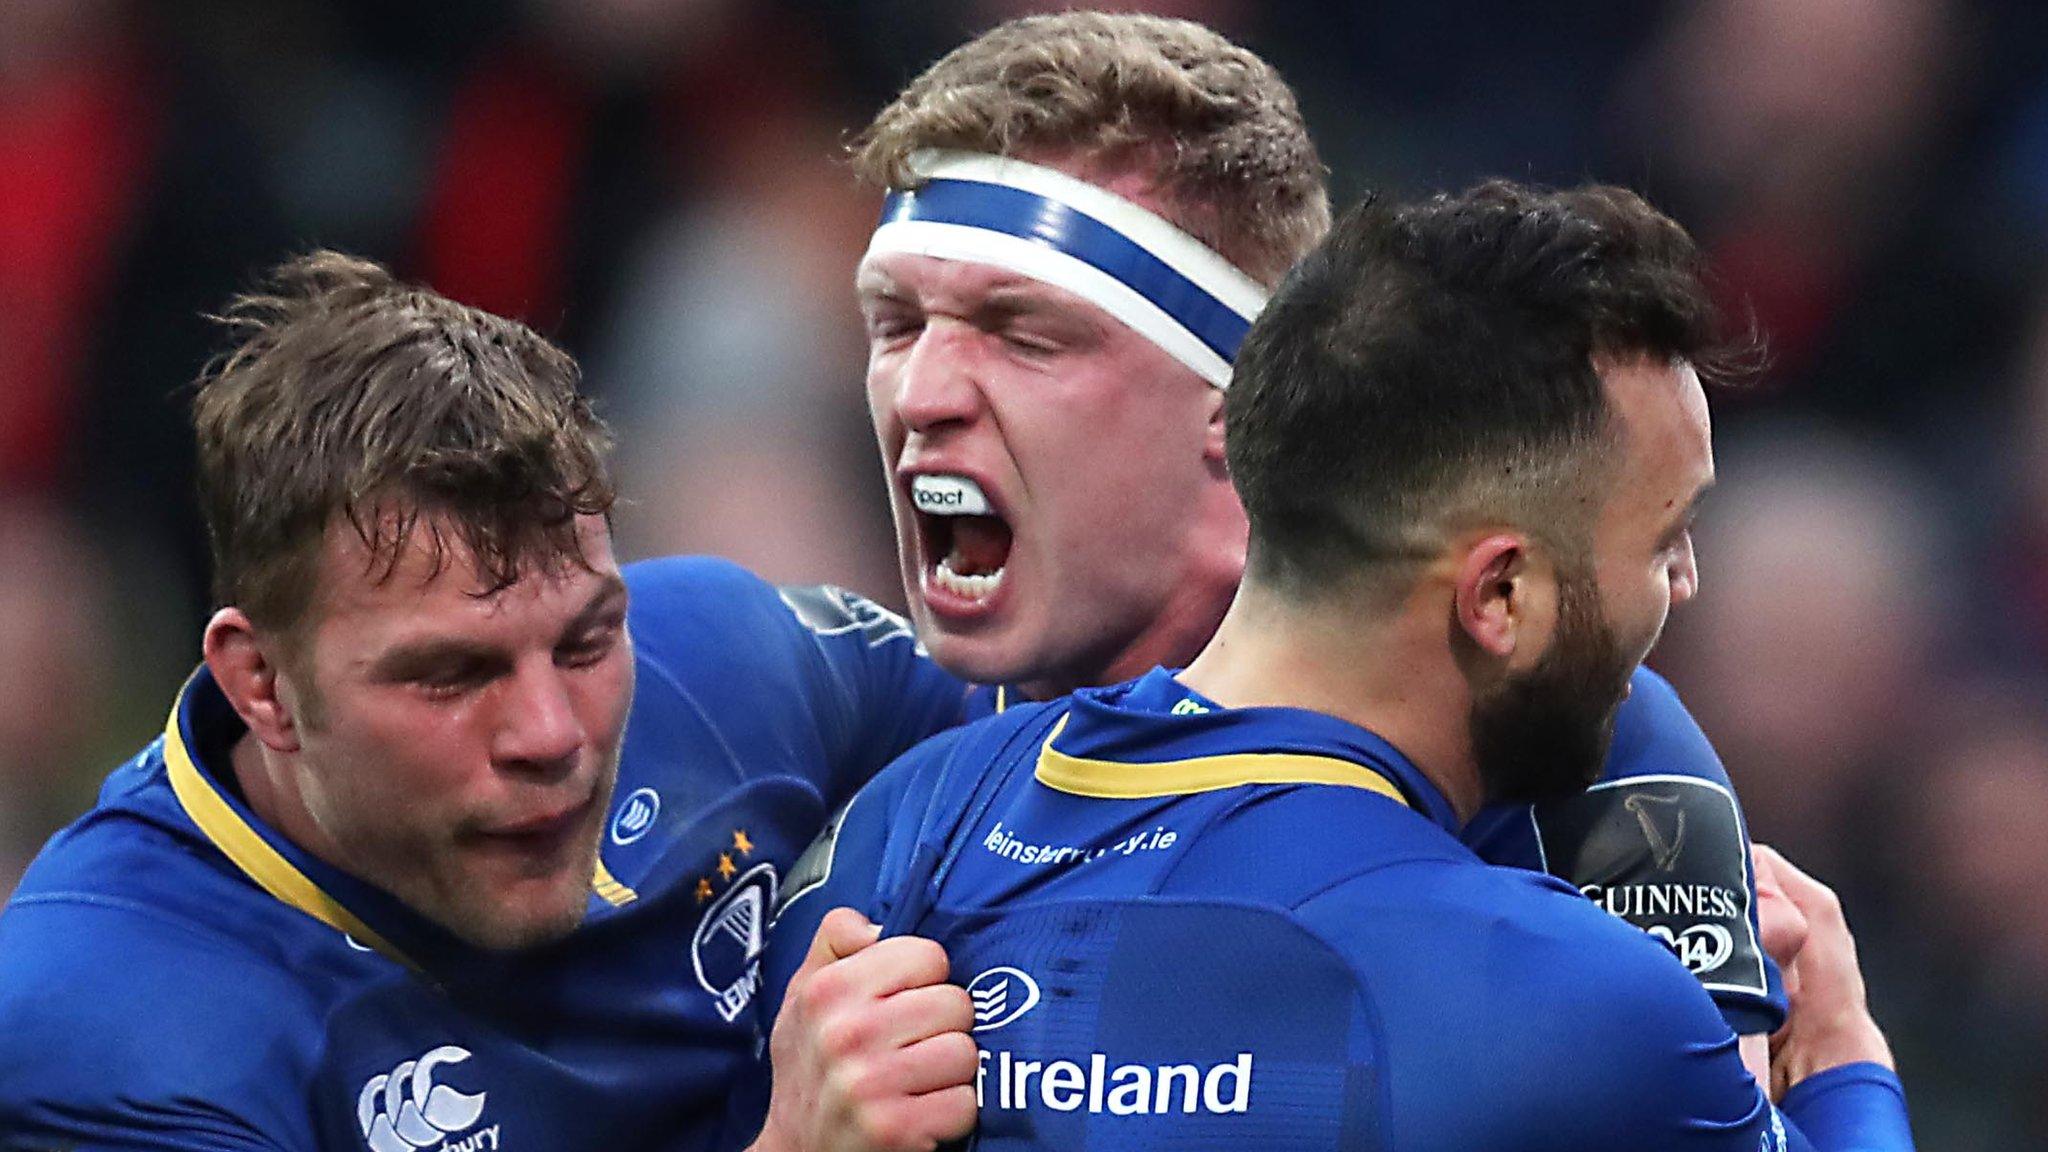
(1084, 214)
(1085, 211)
(413, 866)
(1230, 903)
(1051, 336)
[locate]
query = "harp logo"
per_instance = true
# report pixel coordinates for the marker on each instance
(1662, 820)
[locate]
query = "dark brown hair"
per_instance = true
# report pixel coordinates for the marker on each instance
(1435, 363)
(354, 398)
(1213, 122)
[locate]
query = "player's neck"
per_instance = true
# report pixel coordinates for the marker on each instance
(1173, 637)
(270, 790)
(1386, 673)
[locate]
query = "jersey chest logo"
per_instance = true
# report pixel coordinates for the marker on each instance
(405, 1110)
(726, 950)
(635, 817)
(1000, 996)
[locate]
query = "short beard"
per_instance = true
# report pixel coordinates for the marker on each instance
(1544, 734)
(497, 935)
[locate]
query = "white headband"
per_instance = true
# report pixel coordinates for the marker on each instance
(1161, 282)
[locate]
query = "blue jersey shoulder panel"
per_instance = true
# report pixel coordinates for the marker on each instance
(182, 1014)
(899, 822)
(827, 675)
(1593, 1037)
(103, 965)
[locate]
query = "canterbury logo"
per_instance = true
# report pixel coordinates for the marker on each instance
(405, 1110)
(1664, 847)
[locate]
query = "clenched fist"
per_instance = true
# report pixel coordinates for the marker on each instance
(872, 1050)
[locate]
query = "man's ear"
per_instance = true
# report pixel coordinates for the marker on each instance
(1506, 598)
(1212, 437)
(244, 663)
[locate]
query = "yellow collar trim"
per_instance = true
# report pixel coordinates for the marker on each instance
(253, 855)
(1112, 780)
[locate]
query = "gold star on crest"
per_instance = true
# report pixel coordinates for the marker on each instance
(740, 843)
(725, 866)
(703, 891)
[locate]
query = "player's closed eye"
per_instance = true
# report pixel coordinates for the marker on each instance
(892, 325)
(590, 648)
(447, 681)
(1031, 343)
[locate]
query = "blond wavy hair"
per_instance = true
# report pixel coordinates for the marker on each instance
(1216, 125)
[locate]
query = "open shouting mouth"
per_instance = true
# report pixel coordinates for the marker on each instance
(966, 541)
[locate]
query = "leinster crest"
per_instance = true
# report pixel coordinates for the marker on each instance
(726, 950)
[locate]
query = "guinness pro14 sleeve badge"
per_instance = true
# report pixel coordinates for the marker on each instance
(1667, 854)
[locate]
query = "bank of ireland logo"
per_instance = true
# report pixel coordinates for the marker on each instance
(726, 951)
(635, 816)
(1000, 996)
(404, 1109)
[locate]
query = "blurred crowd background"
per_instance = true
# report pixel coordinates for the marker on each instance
(657, 184)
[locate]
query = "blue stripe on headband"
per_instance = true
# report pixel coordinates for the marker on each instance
(1029, 216)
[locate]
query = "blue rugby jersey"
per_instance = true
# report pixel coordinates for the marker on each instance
(1659, 841)
(1183, 926)
(176, 975)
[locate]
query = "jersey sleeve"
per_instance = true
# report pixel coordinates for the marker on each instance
(1574, 1031)
(1659, 841)
(1855, 1106)
(897, 696)
(120, 1031)
(853, 863)
(817, 665)
(1655, 1067)
(1698, 1095)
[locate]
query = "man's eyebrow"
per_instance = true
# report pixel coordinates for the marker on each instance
(1027, 297)
(610, 596)
(1021, 290)
(416, 657)
(1690, 508)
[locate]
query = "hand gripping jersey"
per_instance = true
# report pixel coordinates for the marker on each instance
(176, 975)
(1659, 841)
(1189, 927)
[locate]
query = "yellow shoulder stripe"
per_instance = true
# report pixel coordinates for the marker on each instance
(1114, 780)
(249, 852)
(609, 889)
